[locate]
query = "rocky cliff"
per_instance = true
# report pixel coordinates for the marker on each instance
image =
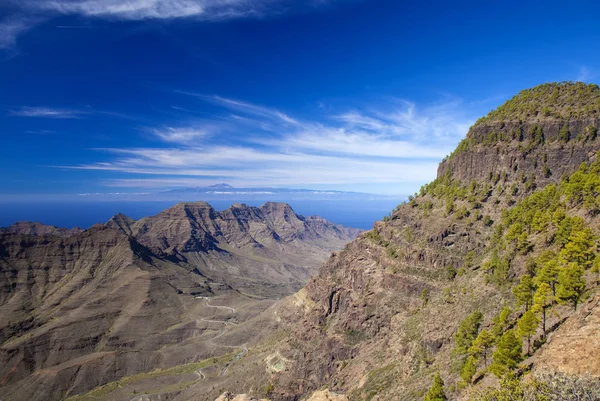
(409, 298)
(81, 309)
(267, 251)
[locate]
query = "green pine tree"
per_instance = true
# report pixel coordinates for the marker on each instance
(542, 300)
(467, 332)
(436, 391)
(528, 324)
(481, 346)
(596, 269)
(508, 354)
(468, 371)
(501, 322)
(571, 284)
(580, 248)
(549, 274)
(524, 291)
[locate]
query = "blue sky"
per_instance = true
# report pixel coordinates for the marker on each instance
(107, 96)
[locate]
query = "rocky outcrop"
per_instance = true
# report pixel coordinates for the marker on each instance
(512, 155)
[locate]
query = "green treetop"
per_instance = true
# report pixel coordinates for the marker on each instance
(468, 371)
(580, 248)
(571, 284)
(524, 291)
(549, 274)
(508, 354)
(467, 332)
(436, 391)
(481, 345)
(528, 324)
(501, 322)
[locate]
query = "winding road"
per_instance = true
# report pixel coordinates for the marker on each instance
(244, 349)
(237, 357)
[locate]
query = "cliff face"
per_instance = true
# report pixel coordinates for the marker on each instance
(382, 315)
(491, 150)
(81, 309)
(267, 251)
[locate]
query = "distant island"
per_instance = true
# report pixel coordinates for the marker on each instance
(225, 191)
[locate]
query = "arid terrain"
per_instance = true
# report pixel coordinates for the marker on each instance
(483, 285)
(154, 303)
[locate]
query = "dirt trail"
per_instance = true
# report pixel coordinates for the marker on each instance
(244, 349)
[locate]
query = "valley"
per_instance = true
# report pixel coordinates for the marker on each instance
(162, 298)
(483, 284)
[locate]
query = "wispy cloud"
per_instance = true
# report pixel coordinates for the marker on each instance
(11, 27)
(397, 144)
(159, 9)
(40, 132)
(64, 113)
(181, 135)
(31, 12)
(46, 112)
(586, 73)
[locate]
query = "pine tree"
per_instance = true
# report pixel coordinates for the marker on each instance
(501, 322)
(527, 325)
(542, 300)
(580, 248)
(436, 391)
(468, 371)
(481, 346)
(425, 296)
(523, 244)
(571, 284)
(549, 274)
(508, 354)
(524, 291)
(467, 332)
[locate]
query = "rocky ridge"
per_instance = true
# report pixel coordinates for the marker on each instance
(79, 310)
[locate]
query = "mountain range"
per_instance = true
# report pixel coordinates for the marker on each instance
(482, 286)
(81, 308)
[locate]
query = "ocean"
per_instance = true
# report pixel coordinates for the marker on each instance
(351, 213)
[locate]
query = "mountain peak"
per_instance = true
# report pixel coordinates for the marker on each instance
(220, 186)
(549, 101)
(191, 205)
(533, 138)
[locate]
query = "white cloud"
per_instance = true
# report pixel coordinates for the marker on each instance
(394, 145)
(10, 28)
(255, 110)
(127, 9)
(181, 135)
(47, 112)
(28, 13)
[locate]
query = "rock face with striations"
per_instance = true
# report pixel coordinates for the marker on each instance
(267, 251)
(542, 134)
(381, 317)
(81, 309)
